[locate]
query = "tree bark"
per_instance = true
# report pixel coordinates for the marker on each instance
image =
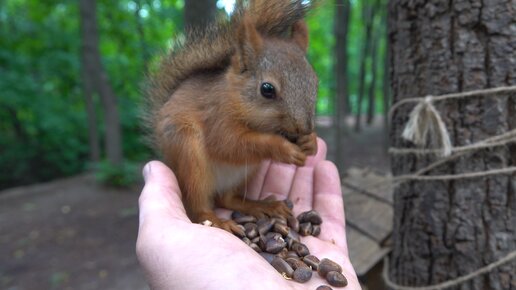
(342, 11)
(199, 13)
(98, 80)
(443, 230)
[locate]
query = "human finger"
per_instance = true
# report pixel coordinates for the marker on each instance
(278, 180)
(329, 203)
(301, 193)
(322, 150)
(161, 197)
(256, 184)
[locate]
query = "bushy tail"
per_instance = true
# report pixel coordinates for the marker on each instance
(211, 49)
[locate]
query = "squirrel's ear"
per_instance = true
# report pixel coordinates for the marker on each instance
(300, 34)
(249, 46)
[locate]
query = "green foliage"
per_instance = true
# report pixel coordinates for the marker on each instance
(119, 176)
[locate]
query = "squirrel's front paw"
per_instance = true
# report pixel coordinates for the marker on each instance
(308, 143)
(291, 154)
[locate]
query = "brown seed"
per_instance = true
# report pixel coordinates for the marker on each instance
(302, 275)
(327, 265)
(283, 253)
(293, 235)
(336, 279)
(300, 249)
(282, 229)
(302, 217)
(281, 266)
(246, 241)
(293, 223)
(289, 242)
(267, 256)
(272, 235)
(311, 216)
(241, 232)
(251, 230)
(305, 229)
(245, 219)
(312, 261)
(296, 263)
(264, 225)
(274, 246)
(292, 254)
(256, 240)
(280, 220)
(324, 287)
(316, 230)
(236, 214)
(289, 203)
(255, 247)
(262, 242)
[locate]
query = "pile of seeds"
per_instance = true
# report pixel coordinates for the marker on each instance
(278, 241)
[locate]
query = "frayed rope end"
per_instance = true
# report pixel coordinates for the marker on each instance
(426, 128)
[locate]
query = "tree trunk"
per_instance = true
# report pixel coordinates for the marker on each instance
(144, 50)
(368, 15)
(386, 90)
(199, 13)
(100, 81)
(87, 56)
(341, 74)
(374, 67)
(443, 230)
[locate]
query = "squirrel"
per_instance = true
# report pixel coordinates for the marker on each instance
(230, 97)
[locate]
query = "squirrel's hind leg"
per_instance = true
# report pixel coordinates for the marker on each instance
(184, 152)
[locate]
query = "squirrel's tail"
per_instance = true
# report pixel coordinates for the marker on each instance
(276, 17)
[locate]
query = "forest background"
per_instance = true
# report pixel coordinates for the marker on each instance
(43, 113)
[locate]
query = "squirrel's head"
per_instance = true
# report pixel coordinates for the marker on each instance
(277, 85)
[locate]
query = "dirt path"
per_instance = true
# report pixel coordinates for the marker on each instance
(69, 234)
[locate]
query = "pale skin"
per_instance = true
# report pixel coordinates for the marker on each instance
(177, 254)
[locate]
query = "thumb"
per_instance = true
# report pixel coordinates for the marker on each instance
(160, 200)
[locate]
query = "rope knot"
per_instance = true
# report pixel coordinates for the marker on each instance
(426, 127)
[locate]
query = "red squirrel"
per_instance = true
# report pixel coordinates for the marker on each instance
(232, 96)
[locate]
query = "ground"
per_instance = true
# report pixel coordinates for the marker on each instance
(77, 234)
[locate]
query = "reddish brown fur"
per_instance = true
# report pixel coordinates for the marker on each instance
(215, 127)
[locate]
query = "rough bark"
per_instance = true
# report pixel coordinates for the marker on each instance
(447, 229)
(342, 11)
(199, 13)
(99, 82)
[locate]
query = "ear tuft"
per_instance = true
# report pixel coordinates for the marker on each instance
(300, 34)
(249, 46)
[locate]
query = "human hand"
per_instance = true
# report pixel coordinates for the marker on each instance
(177, 254)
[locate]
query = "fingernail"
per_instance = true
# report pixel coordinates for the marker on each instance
(146, 171)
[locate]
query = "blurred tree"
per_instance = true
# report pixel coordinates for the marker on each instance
(446, 229)
(199, 13)
(342, 104)
(368, 12)
(96, 80)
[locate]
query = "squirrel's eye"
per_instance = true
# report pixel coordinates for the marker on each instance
(268, 91)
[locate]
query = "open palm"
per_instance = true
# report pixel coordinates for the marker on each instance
(177, 254)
